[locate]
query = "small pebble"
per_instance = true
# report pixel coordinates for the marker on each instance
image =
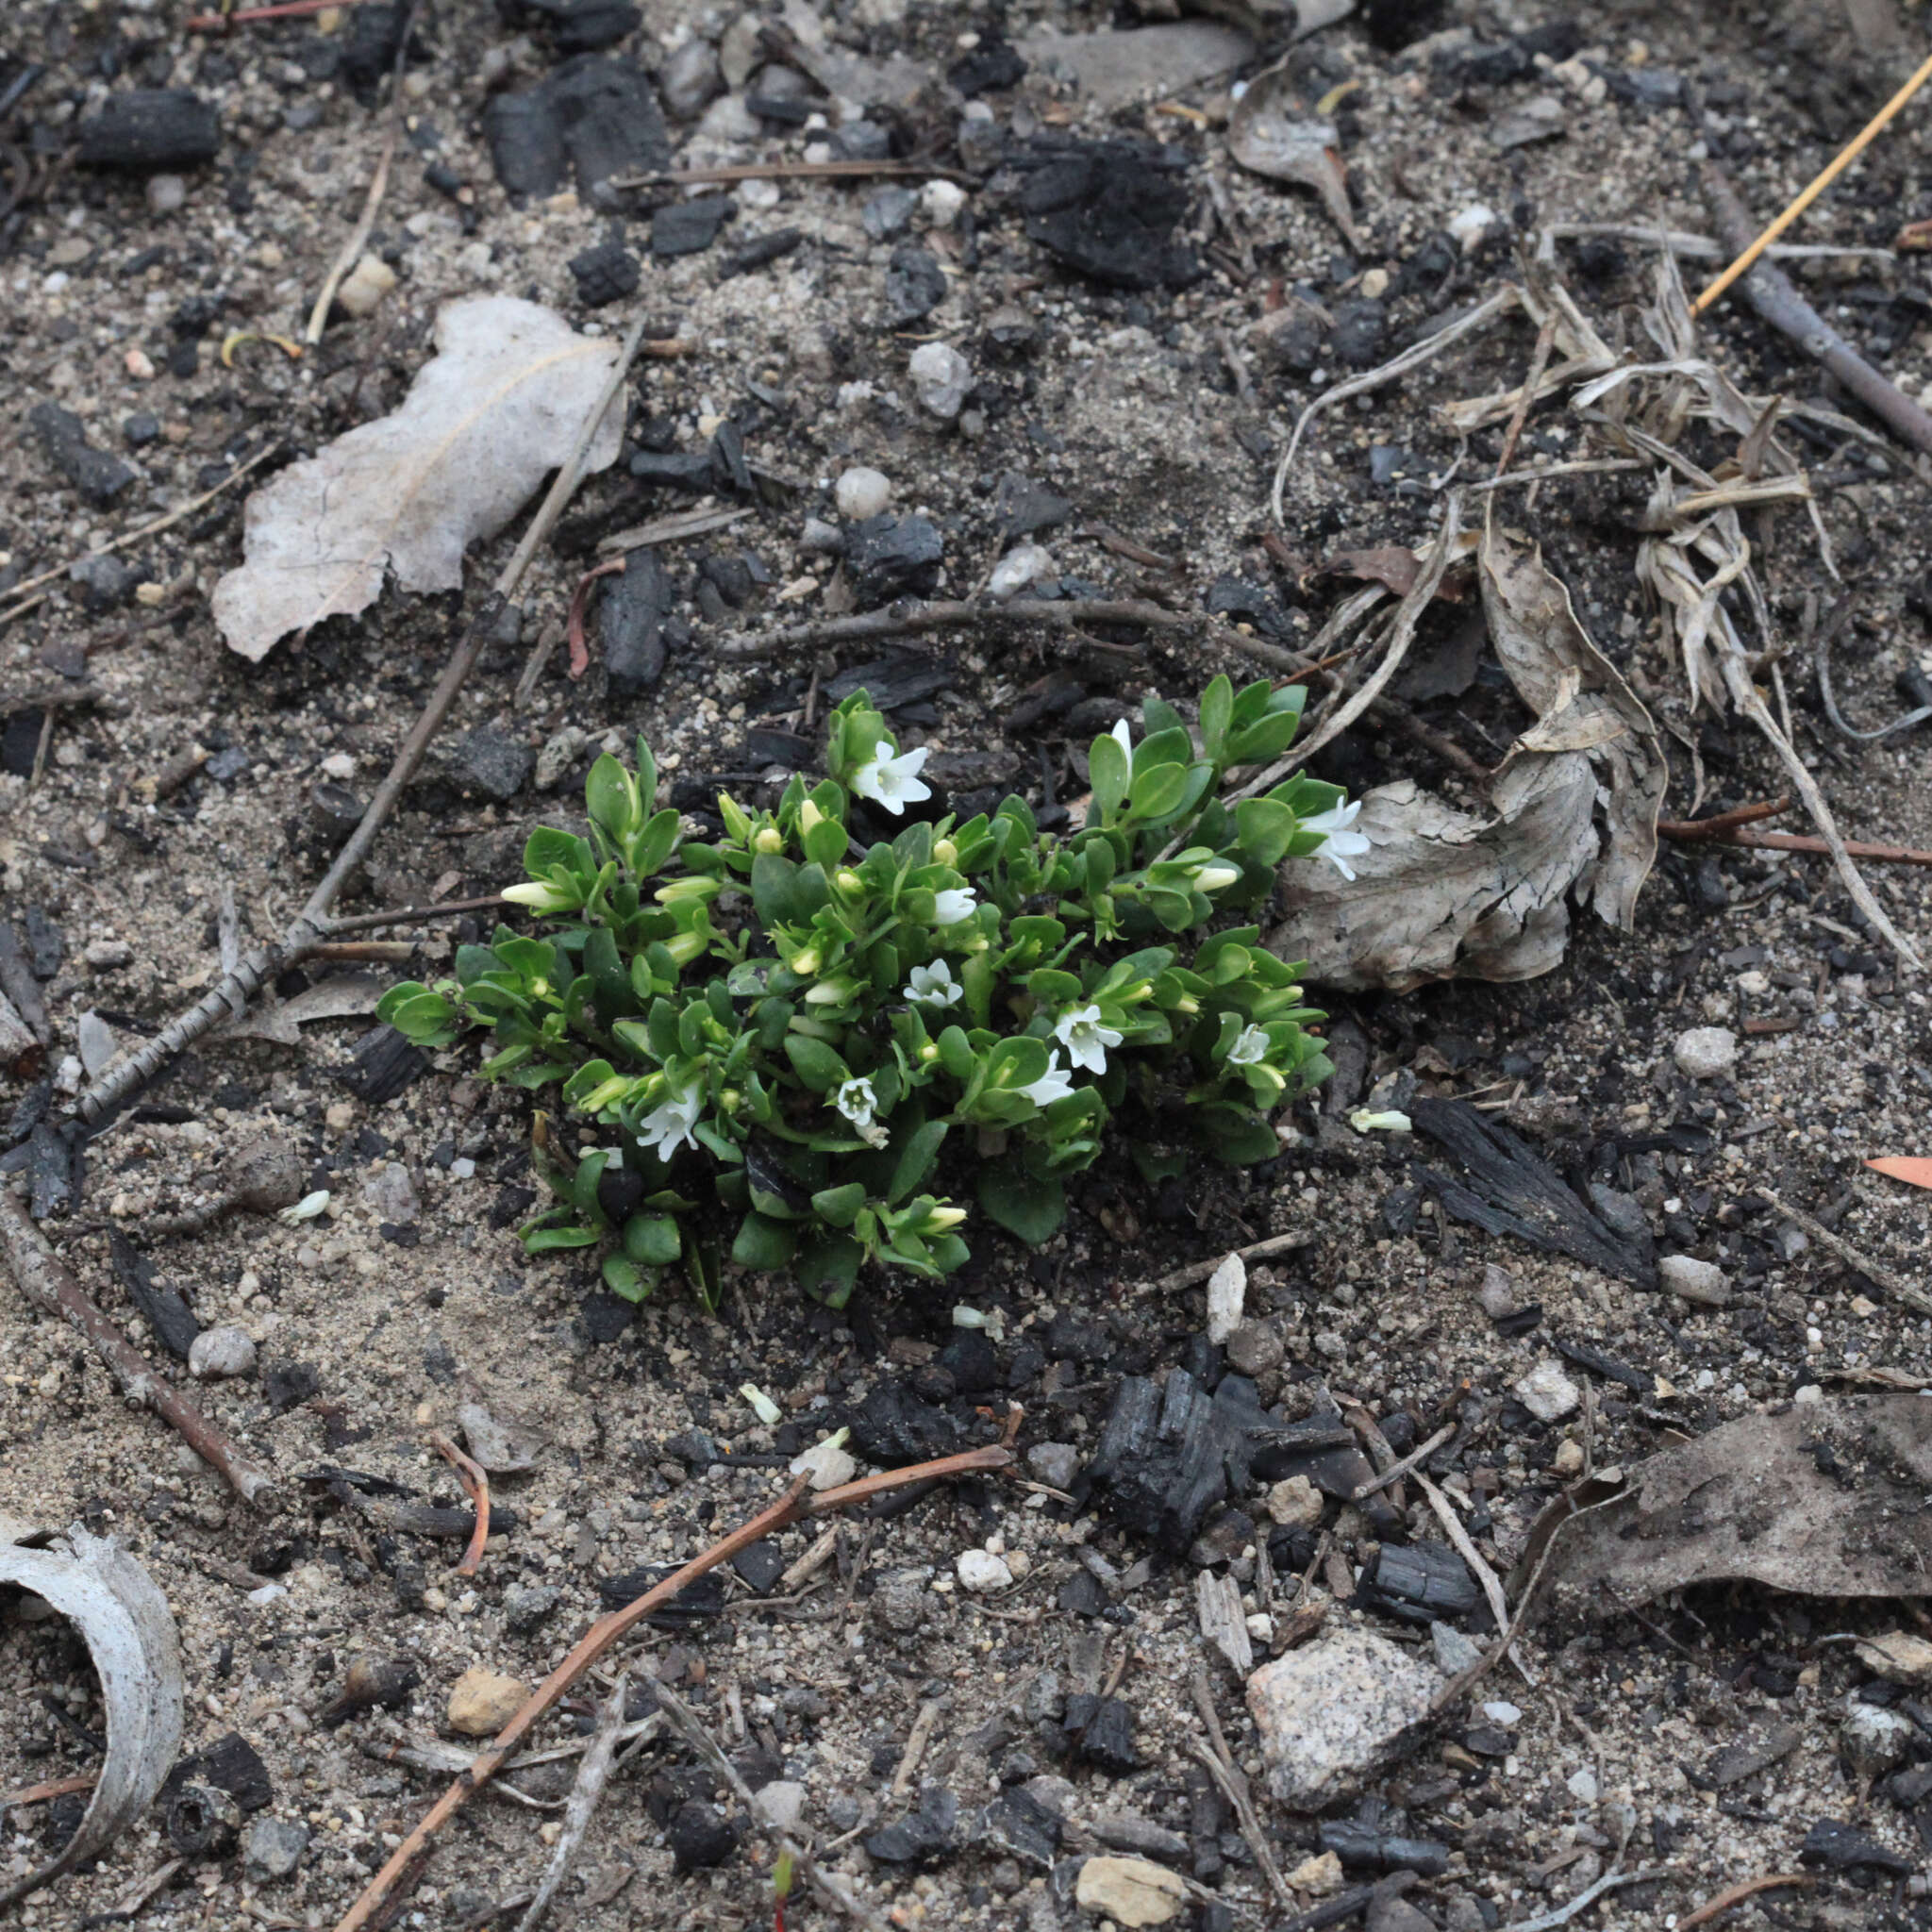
(1547, 1393)
(165, 193)
(1022, 565)
(219, 1354)
(862, 493)
(942, 201)
(1569, 1458)
(1702, 1053)
(1694, 1280)
(365, 285)
(1295, 1503)
(482, 1701)
(979, 1570)
(1227, 1294)
(941, 377)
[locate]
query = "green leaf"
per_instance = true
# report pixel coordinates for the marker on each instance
(608, 799)
(1158, 793)
(839, 1207)
(1154, 1165)
(1031, 1208)
(627, 1280)
(543, 1241)
(824, 843)
(651, 846)
(1217, 711)
(1107, 771)
(1235, 1137)
(916, 1160)
(652, 1240)
(815, 1063)
(776, 895)
(1264, 827)
(762, 1243)
(828, 1269)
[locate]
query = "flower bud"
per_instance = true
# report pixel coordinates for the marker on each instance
(730, 1100)
(809, 815)
(805, 963)
(940, 1220)
(686, 947)
(848, 882)
(928, 1053)
(541, 897)
(1187, 1004)
(768, 839)
(944, 852)
(1215, 878)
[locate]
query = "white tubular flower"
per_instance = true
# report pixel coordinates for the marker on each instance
(1340, 843)
(1215, 878)
(1122, 735)
(668, 1126)
(953, 904)
(1054, 1084)
(1078, 1029)
(540, 896)
(856, 1100)
(1250, 1048)
(932, 985)
(892, 782)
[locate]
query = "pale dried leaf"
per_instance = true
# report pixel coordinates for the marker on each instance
(345, 996)
(1114, 68)
(497, 408)
(1268, 134)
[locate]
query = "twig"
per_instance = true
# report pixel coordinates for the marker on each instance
(1396, 1471)
(402, 915)
(1839, 163)
(48, 697)
(134, 1901)
(1538, 362)
(231, 993)
(916, 1741)
(1470, 1675)
(1508, 296)
(1691, 247)
(707, 1747)
(1720, 1902)
(1466, 1549)
(475, 1481)
(1584, 466)
(797, 171)
(1218, 1762)
(1187, 1276)
(151, 530)
(593, 1774)
(47, 1282)
(42, 1795)
(288, 10)
(1802, 841)
(795, 1503)
(574, 623)
(1768, 291)
(1893, 1285)
(1610, 1881)
(1687, 831)
(671, 529)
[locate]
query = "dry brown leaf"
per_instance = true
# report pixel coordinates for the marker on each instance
(1916, 1168)
(497, 408)
(1390, 565)
(1268, 134)
(1447, 895)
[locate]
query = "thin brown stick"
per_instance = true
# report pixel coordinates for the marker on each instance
(1803, 841)
(149, 529)
(594, 1774)
(1687, 831)
(797, 171)
(1413, 1460)
(1768, 291)
(41, 1794)
(402, 915)
(245, 16)
(795, 1503)
(475, 1481)
(1186, 1275)
(898, 620)
(1720, 1902)
(1466, 1549)
(48, 697)
(1538, 362)
(50, 1284)
(1894, 1285)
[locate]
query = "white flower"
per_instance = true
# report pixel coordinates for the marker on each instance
(932, 985)
(307, 1209)
(668, 1126)
(856, 1100)
(1054, 1084)
(953, 904)
(1078, 1029)
(540, 895)
(1215, 878)
(1249, 1049)
(1122, 735)
(1338, 842)
(893, 782)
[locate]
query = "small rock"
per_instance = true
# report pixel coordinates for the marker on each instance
(828, 1464)
(1547, 1393)
(1255, 1347)
(94, 1039)
(1469, 228)
(392, 1194)
(1569, 1458)
(216, 1355)
(1694, 1280)
(1130, 1891)
(1318, 1876)
(272, 1847)
(1295, 1504)
(1056, 1464)
(1581, 1785)
(1227, 1294)
(492, 763)
(1337, 1708)
(364, 286)
(528, 1606)
(98, 476)
(1899, 1656)
(482, 1701)
(979, 1570)
(1874, 1740)
(604, 274)
(700, 1836)
(1455, 1653)
(1497, 1293)
(105, 583)
(915, 284)
(894, 556)
(1704, 1051)
(501, 1448)
(886, 214)
(862, 493)
(561, 751)
(140, 430)
(1361, 328)
(688, 227)
(689, 80)
(780, 1804)
(1021, 567)
(922, 1837)
(106, 955)
(166, 193)
(941, 378)
(942, 201)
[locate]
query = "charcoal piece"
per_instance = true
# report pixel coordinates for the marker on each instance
(1018, 1823)
(370, 1684)
(915, 284)
(604, 274)
(19, 983)
(891, 556)
(631, 610)
(593, 115)
(163, 1309)
(606, 1317)
(1083, 1595)
(525, 138)
(992, 67)
(230, 1764)
(1420, 1582)
(384, 1064)
(892, 1426)
(45, 948)
(1100, 1732)
(972, 1362)
(762, 249)
(688, 227)
(49, 1173)
(1511, 1190)
(105, 583)
(288, 1385)
(764, 745)
(19, 743)
(1110, 212)
(1488, 1741)
(98, 476)
(732, 577)
(1359, 1844)
(1021, 507)
(1838, 1847)
(1392, 25)
(1595, 1360)
(491, 764)
(921, 1838)
(1494, 66)
(679, 469)
(29, 1110)
(151, 131)
(588, 27)
(700, 1836)
(1361, 333)
(701, 1603)
(893, 683)
(369, 54)
(729, 470)
(759, 1565)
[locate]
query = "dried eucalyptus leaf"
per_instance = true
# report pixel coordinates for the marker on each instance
(1268, 134)
(497, 409)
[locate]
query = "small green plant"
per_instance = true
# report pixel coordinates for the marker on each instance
(799, 1024)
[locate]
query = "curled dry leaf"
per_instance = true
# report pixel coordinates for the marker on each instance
(1448, 894)
(495, 410)
(1268, 134)
(1827, 1499)
(129, 1633)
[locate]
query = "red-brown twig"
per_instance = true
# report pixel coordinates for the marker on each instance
(243, 16)
(795, 1503)
(475, 1481)
(50, 1284)
(402, 915)
(1716, 1906)
(1802, 841)
(1687, 831)
(579, 651)
(41, 1794)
